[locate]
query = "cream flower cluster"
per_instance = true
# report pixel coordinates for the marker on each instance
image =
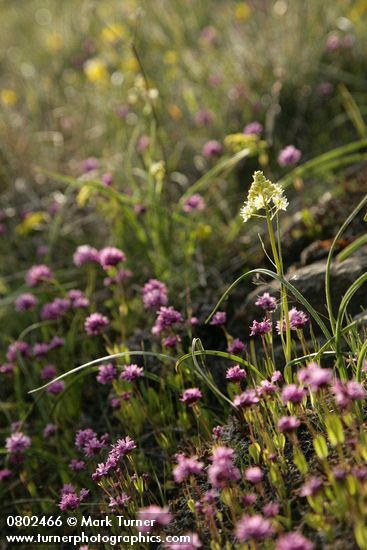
(263, 194)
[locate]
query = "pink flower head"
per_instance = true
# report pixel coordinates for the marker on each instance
(143, 143)
(212, 149)
(333, 42)
(311, 487)
(293, 394)
(259, 328)
(204, 118)
(48, 372)
(236, 346)
(17, 349)
(25, 302)
(7, 368)
(38, 274)
(49, 430)
(106, 373)
(89, 164)
(107, 179)
(266, 388)
(253, 129)
(154, 294)
(131, 373)
(271, 509)
(346, 392)
(288, 424)
(276, 377)
(288, 156)
(315, 377)
(17, 443)
(219, 319)
(254, 474)
(246, 399)
(222, 470)
(167, 317)
(77, 299)
(254, 527)
(191, 396)
(160, 516)
(5, 473)
(95, 324)
(55, 309)
(76, 465)
(171, 341)
(195, 203)
(69, 501)
(293, 541)
(56, 387)
(110, 257)
(266, 302)
(85, 254)
(235, 374)
(186, 467)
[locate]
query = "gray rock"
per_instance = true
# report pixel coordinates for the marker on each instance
(310, 282)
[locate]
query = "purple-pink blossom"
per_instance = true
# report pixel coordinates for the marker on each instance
(315, 377)
(155, 516)
(195, 203)
(246, 399)
(85, 254)
(154, 295)
(254, 527)
(212, 148)
(235, 374)
(56, 387)
(38, 274)
(266, 302)
(106, 373)
(219, 319)
(253, 128)
(311, 487)
(288, 156)
(132, 372)
(110, 257)
(17, 349)
(236, 346)
(17, 443)
(26, 302)
(288, 424)
(191, 396)
(222, 471)
(55, 309)
(254, 474)
(293, 541)
(293, 394)
(95, 324)
(186, 467)
(167, 317)
(259, 328)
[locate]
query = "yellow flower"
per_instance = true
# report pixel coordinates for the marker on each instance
(31, 222)
(112, 33)
(131, 64)
(8, 97)
(242, 11)
(204, 231)
(170, 57)
(95, 70)
(54, 42)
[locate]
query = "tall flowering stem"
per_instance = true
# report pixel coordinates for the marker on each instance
(284, 300)
(265, 199)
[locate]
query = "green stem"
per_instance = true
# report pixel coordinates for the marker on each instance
(279, 268)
